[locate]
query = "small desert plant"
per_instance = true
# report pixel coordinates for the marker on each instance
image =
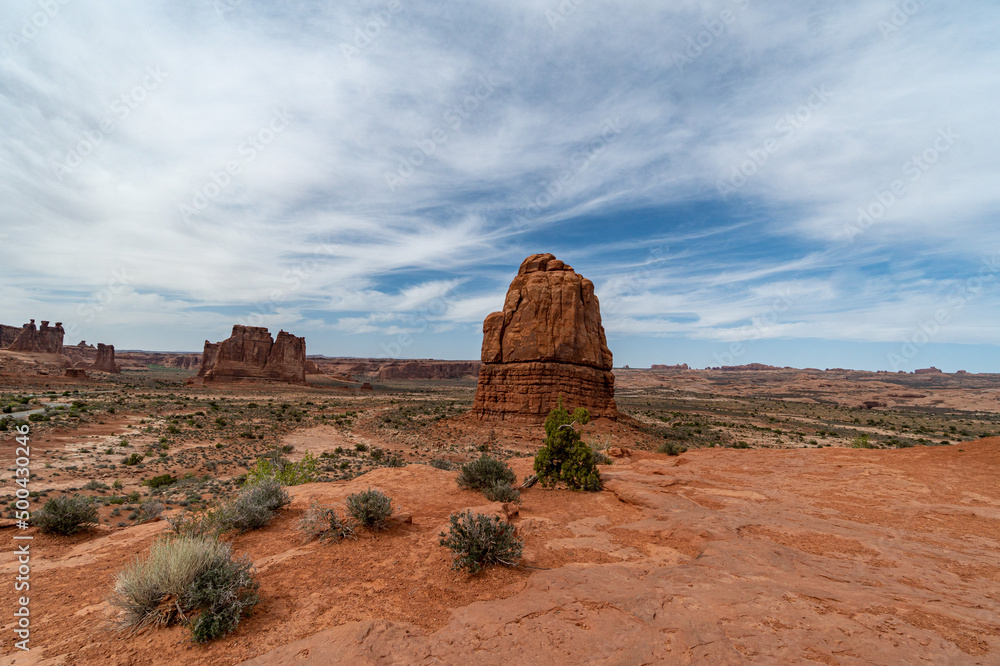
(66, 515)
(564, 457)
(286, 473)
(325, 523)
(501, 491)
(149, 510)
(441, 463)
(160, 481)
(602, 458)
(371, 508)
(251, 509)
(672, 448)
(133, 459)
(194, 580)
(861, 442)
(485, 473)
(478, 540)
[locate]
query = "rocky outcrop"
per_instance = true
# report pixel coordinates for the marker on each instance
(250, 353)
(927, 371)
(312, 368)
(44, 340)
(208, 356)
(546, 343)
(8, 334)
(427, 370)
(105, 361)
(655, 366)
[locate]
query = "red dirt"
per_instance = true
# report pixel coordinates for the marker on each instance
(719, 556)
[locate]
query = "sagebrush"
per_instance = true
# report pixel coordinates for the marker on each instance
(189, 580)
(478, 540)
(66, 515)
(485, 473)
(371, 508)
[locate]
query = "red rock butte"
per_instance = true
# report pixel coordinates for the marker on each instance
(547, 343)
(250, 353)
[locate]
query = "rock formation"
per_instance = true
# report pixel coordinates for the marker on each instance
(927, 371)
(655, 366)
(312, 368)
(44, 340)
(250, 353)
(208, 356)
(105, 361)
(547, 342)
(8, 334)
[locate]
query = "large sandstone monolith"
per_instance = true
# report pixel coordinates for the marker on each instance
(45, 340)
(547, 342)
(250, 353)
(105, 361)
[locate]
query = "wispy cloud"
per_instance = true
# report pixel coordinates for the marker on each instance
(407, 156)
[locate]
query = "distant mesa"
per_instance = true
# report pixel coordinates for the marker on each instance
(682, 366)
(927, 371)
(546, 343)
(76, 373)
(753, 367)
(312, 368)
(251, 353)
(44, 340)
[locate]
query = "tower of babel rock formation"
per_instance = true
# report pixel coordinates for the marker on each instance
(45, 340)
(105, 361)
(547, 343)
(250, 353)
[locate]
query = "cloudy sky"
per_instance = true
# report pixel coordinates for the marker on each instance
(800, 183)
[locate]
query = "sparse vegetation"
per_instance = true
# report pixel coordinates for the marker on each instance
(325, 523)
(66, 515)
(478, 540)
(671, 448)
(370, 508)
(565, 457)
(190, 579)
(484, 473)
(501, 491)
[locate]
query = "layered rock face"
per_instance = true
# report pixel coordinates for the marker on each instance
(547, 342)
(105, 361)
(45, 340)
(8, 334)
(208, 356)
(250, 353)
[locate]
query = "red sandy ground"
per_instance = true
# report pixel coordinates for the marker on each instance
(719, 556)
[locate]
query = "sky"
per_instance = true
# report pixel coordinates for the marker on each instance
(812, 184)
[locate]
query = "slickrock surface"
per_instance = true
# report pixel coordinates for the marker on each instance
(547, 342)
(250, 353)
(719, 556)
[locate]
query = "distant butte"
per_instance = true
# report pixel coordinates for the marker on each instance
(251, 353)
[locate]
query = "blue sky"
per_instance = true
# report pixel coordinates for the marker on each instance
(811, 184)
